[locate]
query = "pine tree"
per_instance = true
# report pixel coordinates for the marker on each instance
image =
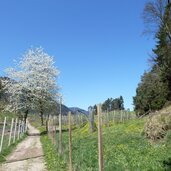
(154, 89)
(163, 51)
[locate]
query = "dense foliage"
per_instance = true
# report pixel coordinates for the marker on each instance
(110, 104)
(154, 90)
(113, 104)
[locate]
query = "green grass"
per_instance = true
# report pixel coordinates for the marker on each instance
(53, 161)
(124, 148)
(7, 150)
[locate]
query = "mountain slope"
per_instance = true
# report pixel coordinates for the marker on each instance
(78, 110)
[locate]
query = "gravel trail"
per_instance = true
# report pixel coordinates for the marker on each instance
(28, 155)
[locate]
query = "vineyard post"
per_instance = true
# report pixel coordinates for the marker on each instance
(70, 142)
(12, 122)
(121, 116)
(2, 137)
(48, 126)
(15, 129)
(60, 126)
(53, 131)
(100, 143)
(91, 118)
(113, 116)
(108, 121)
(127, 115)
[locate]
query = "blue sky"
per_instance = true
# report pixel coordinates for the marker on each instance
(97, 44)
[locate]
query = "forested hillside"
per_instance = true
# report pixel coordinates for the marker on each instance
(154, 89)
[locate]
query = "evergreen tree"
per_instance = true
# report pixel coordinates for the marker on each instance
(121, 101)
(113, 104)
(151, 93)
(154, 89)
(163, 52)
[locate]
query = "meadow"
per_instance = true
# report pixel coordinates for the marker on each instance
(124, 148)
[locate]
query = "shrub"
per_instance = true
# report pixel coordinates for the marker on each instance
(157, 125)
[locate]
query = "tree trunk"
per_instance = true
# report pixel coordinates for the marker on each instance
(47, 123)
(41, 113)
(25, 116)
(41, 116)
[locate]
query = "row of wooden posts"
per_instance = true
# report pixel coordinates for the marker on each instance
(17, 128)
(55, 124)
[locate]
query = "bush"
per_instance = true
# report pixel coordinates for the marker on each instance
(157, 125)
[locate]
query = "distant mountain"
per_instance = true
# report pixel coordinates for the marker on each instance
(74, 110)
(78, 110)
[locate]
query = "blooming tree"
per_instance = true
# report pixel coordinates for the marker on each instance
(33, 86)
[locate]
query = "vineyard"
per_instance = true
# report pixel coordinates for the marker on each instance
(124, 146)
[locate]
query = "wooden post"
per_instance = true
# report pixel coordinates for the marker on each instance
(91, 120)
(108, 121)
(66, 120)
(12, 122)
(2, 137)
(70, 142)
(60, 127)
(76, 119)
(114, 116)
(48, 126)
(53, 131)
(15, 129)
(121, 116)
(100, 144)
(127, 115)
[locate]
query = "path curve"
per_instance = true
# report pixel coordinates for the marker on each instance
(28, 155)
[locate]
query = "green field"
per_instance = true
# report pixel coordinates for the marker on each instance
(124, 148)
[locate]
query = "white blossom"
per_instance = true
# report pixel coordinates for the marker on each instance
(32, 82)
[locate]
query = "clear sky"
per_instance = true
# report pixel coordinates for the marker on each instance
(97, 44)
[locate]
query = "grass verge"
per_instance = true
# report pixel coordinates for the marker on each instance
(9, 149)
(53, 161)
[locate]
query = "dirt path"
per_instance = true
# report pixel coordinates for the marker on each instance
(28, 156)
